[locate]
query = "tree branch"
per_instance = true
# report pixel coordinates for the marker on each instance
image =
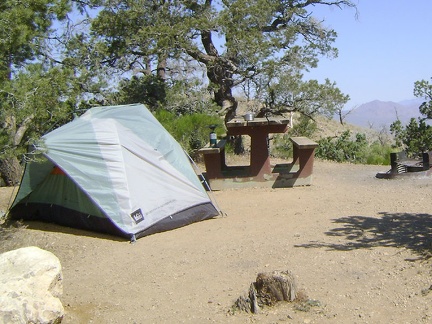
(22, 129)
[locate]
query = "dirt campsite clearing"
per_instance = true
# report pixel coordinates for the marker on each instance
(358, 247)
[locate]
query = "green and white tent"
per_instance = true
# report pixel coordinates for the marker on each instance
(114, 170)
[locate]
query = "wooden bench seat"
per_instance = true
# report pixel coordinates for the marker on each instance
(303, 142)
(220, 145)
(303, 155)
(214, 159)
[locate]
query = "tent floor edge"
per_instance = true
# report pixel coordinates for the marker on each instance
(183, 218)
(63, 216)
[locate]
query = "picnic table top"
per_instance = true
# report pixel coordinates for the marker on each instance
(235, 122)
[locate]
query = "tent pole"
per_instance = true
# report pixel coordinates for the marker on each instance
(204, 181)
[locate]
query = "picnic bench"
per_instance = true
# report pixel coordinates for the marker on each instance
(304, 155)
(260, 172)
(214, 159)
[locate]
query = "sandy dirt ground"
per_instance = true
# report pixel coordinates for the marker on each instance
(358, 247)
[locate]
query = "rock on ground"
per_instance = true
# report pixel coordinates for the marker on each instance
(30, 284)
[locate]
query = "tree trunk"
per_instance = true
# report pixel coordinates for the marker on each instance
(222, 78)
(341, 118)
(10, 171)
(161, 66)
(219, 72)
(225, 99)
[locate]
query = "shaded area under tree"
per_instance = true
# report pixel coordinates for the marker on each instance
(400, 230)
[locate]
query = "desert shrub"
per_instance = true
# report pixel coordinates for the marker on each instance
(282, 146)
(191, 131)
(354, 149)
(378, 154)
(342, 148)
(304, 127)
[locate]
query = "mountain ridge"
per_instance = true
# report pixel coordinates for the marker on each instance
(378, 114)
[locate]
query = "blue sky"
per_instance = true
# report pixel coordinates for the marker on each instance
(382, 52)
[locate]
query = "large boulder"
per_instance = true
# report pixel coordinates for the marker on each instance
(30, 287)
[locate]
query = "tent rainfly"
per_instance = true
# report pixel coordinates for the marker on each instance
(113, 170)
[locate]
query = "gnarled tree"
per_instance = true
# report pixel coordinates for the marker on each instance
(235, 41)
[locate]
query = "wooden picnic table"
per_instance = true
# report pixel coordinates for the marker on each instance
(258, 130)
(259, 172)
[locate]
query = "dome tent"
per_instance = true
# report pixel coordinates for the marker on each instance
(114, 170)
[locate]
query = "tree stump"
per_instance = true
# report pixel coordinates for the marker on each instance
(267, 290)
(248, 303)
(276, 286)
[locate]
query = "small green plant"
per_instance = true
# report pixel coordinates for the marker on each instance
(304, 127)
(305, 306)
(191, 131)
(378, 154)
(282, 146)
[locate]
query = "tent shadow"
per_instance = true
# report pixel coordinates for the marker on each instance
(55, 228)
(400, 230)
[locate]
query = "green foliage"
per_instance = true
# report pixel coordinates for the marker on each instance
(181, 97)
(304, 127)
(416, 137)
(31, 104)
(353, 149)
(347, 147)
(288, 92)
(23, 28)
(186, 97)
(37, 93)
(378, 154)
(148, 89)
(33, 94)
(423, 89)
(265, 43)
(191, 131)
(397, 129)
(282, 146)
(342, 148)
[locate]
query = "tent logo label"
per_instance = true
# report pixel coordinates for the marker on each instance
(137, 216)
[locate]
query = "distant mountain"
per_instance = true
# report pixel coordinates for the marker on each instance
(409, 102)
(377, 114)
